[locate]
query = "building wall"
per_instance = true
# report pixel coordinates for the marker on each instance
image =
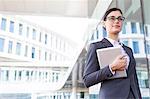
(29, 42)
(22, 42)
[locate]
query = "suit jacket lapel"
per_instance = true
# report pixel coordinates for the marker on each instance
(129, 54)
(106, 43)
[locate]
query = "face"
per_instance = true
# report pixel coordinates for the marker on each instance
(113, 23)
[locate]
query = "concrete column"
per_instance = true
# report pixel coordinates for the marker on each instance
(80, 69)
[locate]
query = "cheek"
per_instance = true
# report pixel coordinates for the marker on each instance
(121, 25)
(108, 28)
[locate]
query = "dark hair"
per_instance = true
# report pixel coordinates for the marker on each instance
(109, 11)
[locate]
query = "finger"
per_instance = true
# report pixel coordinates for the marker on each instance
(120, 69)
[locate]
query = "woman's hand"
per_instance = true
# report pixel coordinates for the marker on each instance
(119, 63)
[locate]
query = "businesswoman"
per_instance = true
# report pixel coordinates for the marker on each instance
(117, 88)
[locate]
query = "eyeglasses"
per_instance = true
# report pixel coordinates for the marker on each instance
(113, 18)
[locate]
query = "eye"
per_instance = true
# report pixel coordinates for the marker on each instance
(112, 18)
(121, 18)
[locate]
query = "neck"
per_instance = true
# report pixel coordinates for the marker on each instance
(113, 36)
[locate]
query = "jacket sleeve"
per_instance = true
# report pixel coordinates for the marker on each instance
(92, 72)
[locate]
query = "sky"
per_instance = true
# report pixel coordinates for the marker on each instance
(70, 27)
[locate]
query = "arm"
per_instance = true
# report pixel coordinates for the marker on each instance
(92, 72)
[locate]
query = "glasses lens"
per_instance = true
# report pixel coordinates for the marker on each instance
(120, 18)
(113, 18)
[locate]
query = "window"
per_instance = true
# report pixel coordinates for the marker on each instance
(124, 28)
(11, 27)
(50, 57)
(143, 79)
(27, 32)
(26, 51)
(3, 24)
(18, 48)
(53, 77)
(40, 37)
(7, 74)
(1, 44)
(93, 96)
(10, 45)
(39, 54)
(97, 34)
(45, 56)
(20, 73)
(46, 39)
(15, 78)
(92, 38)
(146, 31)
(20, 29)
(133, 28)
(27, 74)
(57, 76)
(34, 34)
(33, 52)
(148, 48)
(125, 43)
(135, 47)
(141, 28)
(104, 32)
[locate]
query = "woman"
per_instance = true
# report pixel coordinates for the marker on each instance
(118, 88)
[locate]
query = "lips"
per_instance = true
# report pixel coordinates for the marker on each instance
(116, 26)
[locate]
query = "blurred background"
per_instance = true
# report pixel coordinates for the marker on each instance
(43, 45)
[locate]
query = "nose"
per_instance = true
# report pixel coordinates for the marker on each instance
(116, 20)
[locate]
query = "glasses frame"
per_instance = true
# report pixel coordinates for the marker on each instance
(113, 18)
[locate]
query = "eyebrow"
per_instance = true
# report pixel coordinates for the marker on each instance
(114, 16)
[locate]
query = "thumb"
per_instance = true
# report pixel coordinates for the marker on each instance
(121, 56)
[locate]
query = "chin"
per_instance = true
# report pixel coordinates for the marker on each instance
(116, 32)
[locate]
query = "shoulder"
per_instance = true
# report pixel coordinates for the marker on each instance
(96, 45)
(127, 47)
(93, 46)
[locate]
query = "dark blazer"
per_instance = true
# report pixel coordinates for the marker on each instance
(114, 88)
